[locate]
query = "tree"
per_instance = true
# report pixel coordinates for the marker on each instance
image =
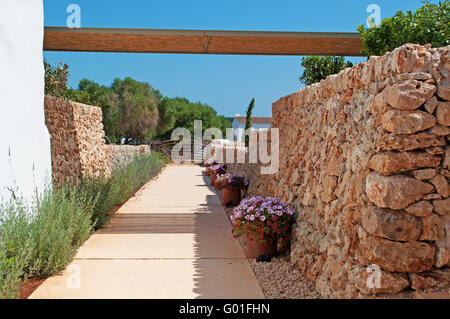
(318, 68)
(167, 116)
(428, 24)
(104, 97)
(248, 120)
(137, 109)
(180, 112)
(133, 110)
(56, 79)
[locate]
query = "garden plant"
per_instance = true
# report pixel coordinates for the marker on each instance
(263, 221)
(231, 186)
(41, 240)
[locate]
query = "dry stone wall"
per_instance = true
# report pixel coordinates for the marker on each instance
(77, 140)
(365, 160)
(120, 155)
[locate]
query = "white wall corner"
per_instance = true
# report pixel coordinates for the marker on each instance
(25, 160)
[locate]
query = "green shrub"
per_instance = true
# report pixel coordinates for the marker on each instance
(15, 247)
(61, 225)
(318, 68)
(42, 240)
(124, 181)
(428, 24)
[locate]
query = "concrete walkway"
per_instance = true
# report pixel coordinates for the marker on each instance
(172, 240)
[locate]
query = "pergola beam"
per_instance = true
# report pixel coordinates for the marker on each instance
(201, 42)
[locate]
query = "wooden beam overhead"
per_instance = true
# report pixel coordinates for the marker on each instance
(201, 42)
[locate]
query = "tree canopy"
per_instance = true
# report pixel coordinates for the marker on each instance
(318, 68)
(180, 112)
(131, 109)
(428, 24)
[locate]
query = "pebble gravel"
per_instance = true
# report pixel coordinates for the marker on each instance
(278, 279)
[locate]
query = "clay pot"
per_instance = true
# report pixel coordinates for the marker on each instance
(231, 194)
(213, 179)
(254, 248)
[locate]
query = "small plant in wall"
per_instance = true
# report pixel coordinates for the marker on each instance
(231, 186)
(263, 221)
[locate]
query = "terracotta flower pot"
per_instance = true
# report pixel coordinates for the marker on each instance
(254, 248)
(207, 173)
(213, 179)
(233, 195)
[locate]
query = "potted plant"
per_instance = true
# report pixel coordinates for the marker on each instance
(208, 164)
(263, 221)
(231, 186)
(215, 170)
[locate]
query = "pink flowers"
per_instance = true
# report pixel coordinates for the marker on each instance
(218, 169)
(211, 162)
(268, 217)
(231, 181)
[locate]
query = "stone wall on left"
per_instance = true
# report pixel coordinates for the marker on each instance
(78, 146)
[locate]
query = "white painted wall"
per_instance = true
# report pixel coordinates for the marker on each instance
(23, 133)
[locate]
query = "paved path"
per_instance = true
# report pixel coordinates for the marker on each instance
(172, 240)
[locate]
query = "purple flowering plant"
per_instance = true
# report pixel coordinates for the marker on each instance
(217, 169)
(211, 162)
(266, 218)
(231, 181)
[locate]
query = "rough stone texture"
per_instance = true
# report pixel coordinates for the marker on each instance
(420, 209)
(120, 155)
(442, 207)
(444, 89)
(430, 280)
(433, 228)
(389, 163)
(431, 196)
(443, 246)
(440, 131)
(389, 282)
(391, 224)
(408, 95)
(425, 174)
(407, 122)
(441, 184)
(395, 192)
(431, 104)
(392, 142)
(396, 256)
(443, 113)
(77, 140)
(446, 163)
(330, 135)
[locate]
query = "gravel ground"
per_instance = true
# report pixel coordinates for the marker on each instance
(279, 279)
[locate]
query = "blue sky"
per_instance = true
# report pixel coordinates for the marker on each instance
(225, 82)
